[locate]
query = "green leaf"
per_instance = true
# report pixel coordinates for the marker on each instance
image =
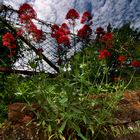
(43, 123)
(61, 137)
(63, 100)
(69, 138)
(76, 110)
(77, 128)
(61, 129)
(84, 119)
(91, 129)
(32, 64)
(50, 137)
(49, 128)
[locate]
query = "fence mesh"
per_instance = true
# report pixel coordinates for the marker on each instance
(30, 61)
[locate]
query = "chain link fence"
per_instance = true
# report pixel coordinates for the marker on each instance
(30, 60)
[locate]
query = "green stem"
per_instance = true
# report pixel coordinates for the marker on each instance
(130, 80)
(74, 43)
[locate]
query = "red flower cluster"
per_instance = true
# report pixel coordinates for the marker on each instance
(103, 54)
(100, 31)
(135, 63)
(86, 17)
(19, 32)
(9, 41)
(84, 32)
(72, 14)
(61, 34)
(39, 51)
(107, 37)
(25, 18)
(54, 27)
(35, 32)
(65, 27)
(64, 39)
(122, 58)
(37, 35)
(26, 12)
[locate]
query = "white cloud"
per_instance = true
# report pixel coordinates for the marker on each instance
(104, 11)
(45, 10)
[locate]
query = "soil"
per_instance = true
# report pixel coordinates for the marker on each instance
(133, 136)
(129, 108)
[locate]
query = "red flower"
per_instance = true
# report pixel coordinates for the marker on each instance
(103, 54)
(31, 27)
(53, 35)
(19, 32)
(99, 31)
(107, 37)
(65, 26)
(64, 40)
(25, 18)
(37, 35)
(81, 33)
(121, 58)
(84, 32)
(60, 32)
(12, 46)
(27, 10)
(8, 39)
(54, 27)
(39, 51)
(135, 63)
(72, 14)
(6, 43)
(86, 17)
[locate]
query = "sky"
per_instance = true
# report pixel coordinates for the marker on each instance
(115, 12)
